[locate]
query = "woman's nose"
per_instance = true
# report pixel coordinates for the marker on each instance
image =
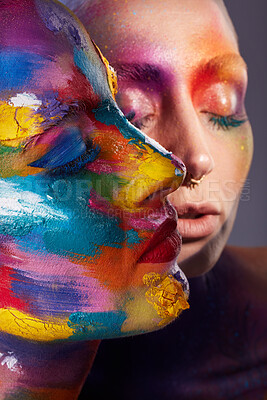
(197, 157)
(188, 138)
(154, 173)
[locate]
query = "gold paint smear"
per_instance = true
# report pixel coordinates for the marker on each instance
(166, 295)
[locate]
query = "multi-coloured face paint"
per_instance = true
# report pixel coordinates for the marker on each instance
(82, 192)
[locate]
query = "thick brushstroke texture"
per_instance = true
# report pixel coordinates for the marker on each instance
(57, 20)
(57, 298)
(18, 68)
(73, 144)
(77, 181)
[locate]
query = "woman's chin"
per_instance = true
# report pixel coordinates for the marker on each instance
(199, 256)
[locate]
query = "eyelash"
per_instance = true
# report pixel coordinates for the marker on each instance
(140, 124)
(219, 121)
(226, 122)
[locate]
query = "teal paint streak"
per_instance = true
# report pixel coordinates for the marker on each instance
(93, 72)
(96, 325)
(5, 150)
(87, 234)
(132, 238)
(61, 223)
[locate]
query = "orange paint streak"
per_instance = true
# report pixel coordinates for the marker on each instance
(107, 269)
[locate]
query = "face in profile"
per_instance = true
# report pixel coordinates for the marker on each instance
(182, 81)
(88, 239)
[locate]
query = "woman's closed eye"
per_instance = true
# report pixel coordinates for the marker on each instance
(145, 122)
(223, 105)
(140, 107)
(226, 122)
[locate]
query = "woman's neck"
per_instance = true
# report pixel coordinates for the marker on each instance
(40, 371)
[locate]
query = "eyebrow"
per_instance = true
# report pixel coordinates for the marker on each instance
(224, 67)
(139, 72)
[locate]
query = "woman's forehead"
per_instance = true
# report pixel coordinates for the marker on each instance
(151, 19)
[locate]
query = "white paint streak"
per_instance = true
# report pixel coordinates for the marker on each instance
(10, 361)
(15, 202)
(25, 100)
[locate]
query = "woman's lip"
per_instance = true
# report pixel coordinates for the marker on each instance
(165, 244)
(198, 228)
(197, 221)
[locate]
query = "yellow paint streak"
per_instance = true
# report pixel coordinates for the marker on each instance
(24, 325)
(153, 172)
(18, 123)
(141, 316)
(166, 295)
(154, 166)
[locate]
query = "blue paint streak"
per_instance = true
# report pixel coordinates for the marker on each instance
(93, 230)
(57, 218)
(68, 146)
(76, 165)
(58, 298)
(17, 68)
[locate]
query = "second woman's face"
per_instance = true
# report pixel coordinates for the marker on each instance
(183, 82)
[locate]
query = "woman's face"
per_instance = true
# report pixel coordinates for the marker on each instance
(86, 231)
(182, 81)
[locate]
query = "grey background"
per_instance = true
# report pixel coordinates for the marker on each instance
(250, 20)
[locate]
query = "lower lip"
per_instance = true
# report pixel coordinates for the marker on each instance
(199, 227)
(165, 251)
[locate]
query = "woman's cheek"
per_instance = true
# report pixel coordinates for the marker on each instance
(241, 145)
(235, 159)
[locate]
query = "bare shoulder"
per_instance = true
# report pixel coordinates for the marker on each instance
(252, 257)
(250, 264)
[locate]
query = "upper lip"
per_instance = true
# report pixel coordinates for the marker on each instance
(164, 230)
(197, 209)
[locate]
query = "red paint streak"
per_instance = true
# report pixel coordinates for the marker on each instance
(79, 89)
(7, 298)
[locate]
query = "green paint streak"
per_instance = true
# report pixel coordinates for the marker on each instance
(4, 150)
(105, 185)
